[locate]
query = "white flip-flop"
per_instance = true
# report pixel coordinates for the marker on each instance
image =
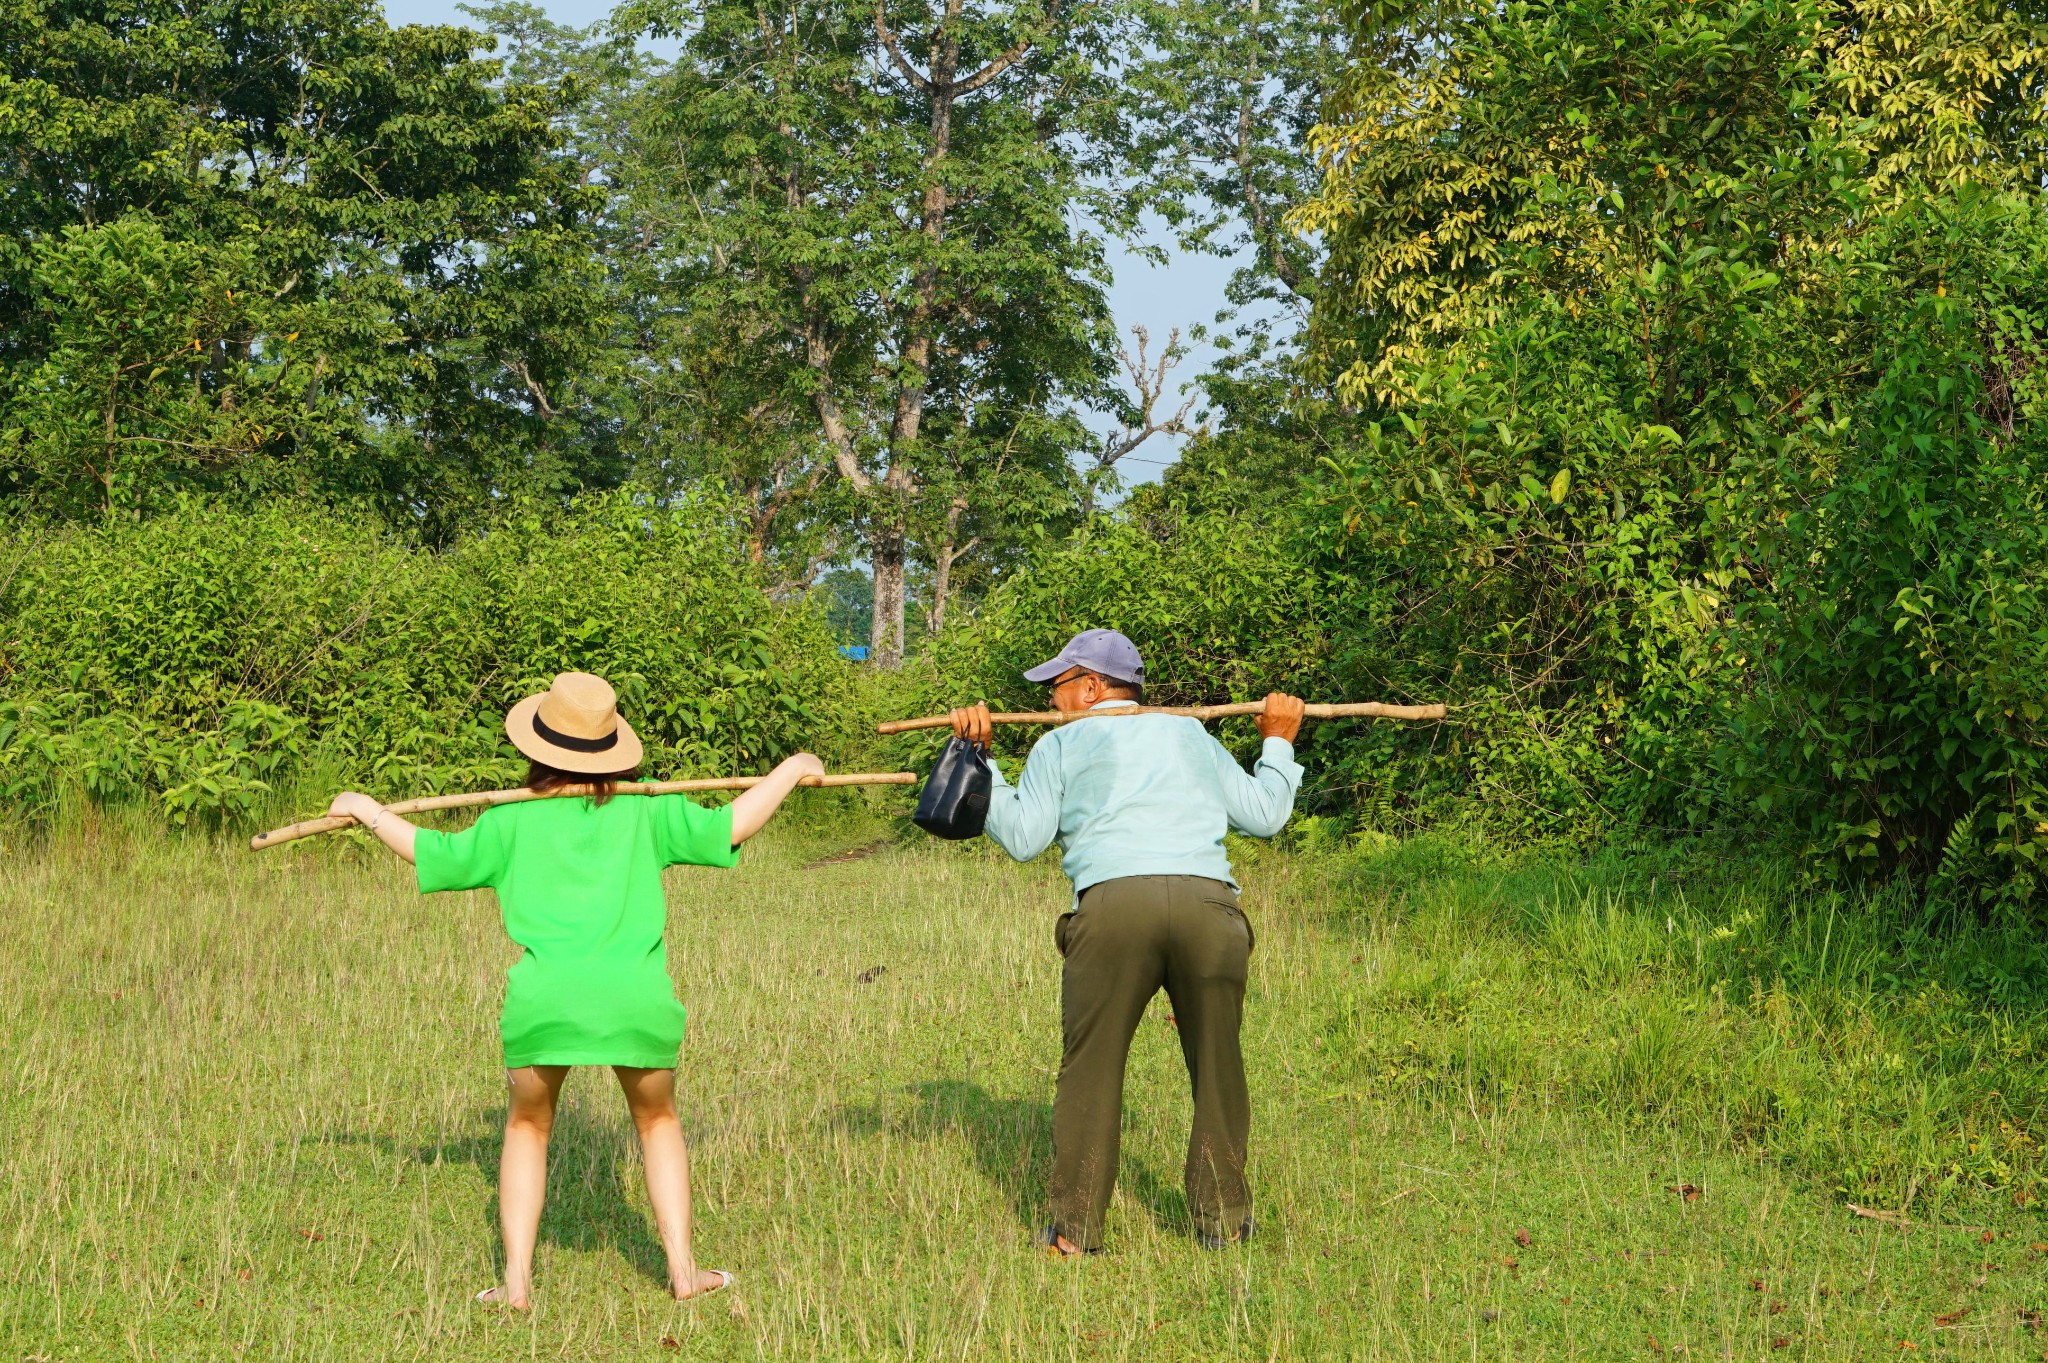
(725, 1279)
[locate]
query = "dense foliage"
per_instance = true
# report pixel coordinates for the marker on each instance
(1901, 638)
(1704, 414)
(201, 658)
(276, 246)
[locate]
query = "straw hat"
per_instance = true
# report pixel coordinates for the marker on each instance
(574, 725)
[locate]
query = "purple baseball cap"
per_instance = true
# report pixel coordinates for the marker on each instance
(1102, 651)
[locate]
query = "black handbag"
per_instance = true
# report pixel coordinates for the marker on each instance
(954, 803)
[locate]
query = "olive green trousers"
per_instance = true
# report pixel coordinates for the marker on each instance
(1129, 938)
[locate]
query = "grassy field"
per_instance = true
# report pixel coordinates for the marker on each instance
(251, 1111)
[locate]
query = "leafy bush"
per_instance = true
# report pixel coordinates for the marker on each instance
(200, 658)
(1524, 546)
(1901, 643)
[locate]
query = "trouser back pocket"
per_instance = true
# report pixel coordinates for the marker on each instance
(1061, 931)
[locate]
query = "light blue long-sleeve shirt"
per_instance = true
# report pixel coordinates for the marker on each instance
(1144, 795)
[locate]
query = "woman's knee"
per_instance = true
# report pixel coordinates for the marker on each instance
(537, 1124)
(530, 1116)
(656, 1122)
(652, 1109)
(650, 1097)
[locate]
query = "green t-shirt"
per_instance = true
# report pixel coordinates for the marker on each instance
(580, 889)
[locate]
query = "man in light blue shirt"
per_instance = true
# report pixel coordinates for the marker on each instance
(1139, 805)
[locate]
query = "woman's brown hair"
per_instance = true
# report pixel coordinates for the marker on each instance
(542, 777)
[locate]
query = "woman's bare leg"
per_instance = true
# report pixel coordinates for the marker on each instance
(651, 1095)
(523, 1174)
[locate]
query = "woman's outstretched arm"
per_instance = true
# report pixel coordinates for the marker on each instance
(394, 832)
(753, 808)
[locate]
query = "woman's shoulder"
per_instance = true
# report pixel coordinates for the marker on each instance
(553, 810)
(563, 810)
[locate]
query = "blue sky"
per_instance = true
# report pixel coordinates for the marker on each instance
(1186, 291)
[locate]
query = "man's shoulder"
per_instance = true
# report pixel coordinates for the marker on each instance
(1127, 731)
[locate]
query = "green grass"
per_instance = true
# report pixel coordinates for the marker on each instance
(251, 1111)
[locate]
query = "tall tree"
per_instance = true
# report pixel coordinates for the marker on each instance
(684, 384)
(877, 203)
(277, 243)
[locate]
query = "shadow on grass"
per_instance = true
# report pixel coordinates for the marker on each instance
(588, 1168)
(1011, 1142)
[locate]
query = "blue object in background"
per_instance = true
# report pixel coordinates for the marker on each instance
(857, 652)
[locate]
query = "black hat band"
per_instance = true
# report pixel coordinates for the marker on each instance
(561, 740)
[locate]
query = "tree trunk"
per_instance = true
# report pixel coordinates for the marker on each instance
(951, 551)
(942, 584)
(887, 541)
(885, 634)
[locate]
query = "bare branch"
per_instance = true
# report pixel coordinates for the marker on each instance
(1149, 378)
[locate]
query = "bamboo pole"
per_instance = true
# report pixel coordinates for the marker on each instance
(1371, 709)
(329, 823)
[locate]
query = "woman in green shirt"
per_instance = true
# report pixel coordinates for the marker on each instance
(579, 884)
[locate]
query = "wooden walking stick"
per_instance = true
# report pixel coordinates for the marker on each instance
(331, 822)
(1371, 709)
